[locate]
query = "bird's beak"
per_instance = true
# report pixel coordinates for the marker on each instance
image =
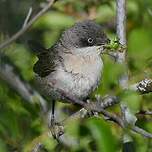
(103, 47)
(107, 41)
(100, 49)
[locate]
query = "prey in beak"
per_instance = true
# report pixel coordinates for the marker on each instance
(102, 49)
(111, 49)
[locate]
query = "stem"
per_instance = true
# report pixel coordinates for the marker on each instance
(25, 28)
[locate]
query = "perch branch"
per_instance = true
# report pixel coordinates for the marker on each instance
(28, 25)
(96, 106)
(64, 139)
(106, 102)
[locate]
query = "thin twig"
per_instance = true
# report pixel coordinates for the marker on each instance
(28, 25)
(27, 17)
(144, 112)
(144, 86)
(141, 132)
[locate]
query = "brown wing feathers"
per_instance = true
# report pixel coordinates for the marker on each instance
(45, 65)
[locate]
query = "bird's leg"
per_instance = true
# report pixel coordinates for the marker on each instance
(55, 127)
(52, 119)
(53, 113)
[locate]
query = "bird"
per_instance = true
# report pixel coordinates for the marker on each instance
(73, 63)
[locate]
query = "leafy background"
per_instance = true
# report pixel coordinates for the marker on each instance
(21, 122)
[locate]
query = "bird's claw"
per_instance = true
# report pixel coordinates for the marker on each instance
(90, 112)
(56, 129)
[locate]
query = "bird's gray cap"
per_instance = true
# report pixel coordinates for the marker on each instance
(79, 35)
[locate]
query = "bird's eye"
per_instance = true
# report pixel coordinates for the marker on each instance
(90, 40)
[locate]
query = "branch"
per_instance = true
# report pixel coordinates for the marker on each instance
(121, 33)
(144, 86)
(104, 103)
(28, 25)
(121, 27)
(141, 132)
(144, 112)
(27, 17)
(65, 139)
(121, 21)
(97, 107)
(82, 113)
(8, 75)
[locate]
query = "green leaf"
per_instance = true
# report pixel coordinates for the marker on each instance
(139, 48)
(105, 13)
(2, 146)
(54, 19)
(132, 100)
(102, 134)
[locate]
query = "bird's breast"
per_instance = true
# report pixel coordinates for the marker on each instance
(83, 65)
(79, 75)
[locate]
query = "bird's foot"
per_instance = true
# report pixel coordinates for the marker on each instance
(90, 112)
(56, 128)
(98, 98)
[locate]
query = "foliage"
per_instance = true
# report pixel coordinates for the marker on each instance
(21, 123)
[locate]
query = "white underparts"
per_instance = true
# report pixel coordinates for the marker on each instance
(79, 74)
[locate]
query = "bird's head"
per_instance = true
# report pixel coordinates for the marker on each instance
(84, 37)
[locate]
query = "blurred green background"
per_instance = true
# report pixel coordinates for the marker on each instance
(21, 123)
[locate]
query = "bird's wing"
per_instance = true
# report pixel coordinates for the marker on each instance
(46, 57)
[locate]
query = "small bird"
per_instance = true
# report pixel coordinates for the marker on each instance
(74, 63)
